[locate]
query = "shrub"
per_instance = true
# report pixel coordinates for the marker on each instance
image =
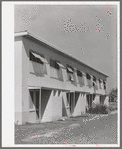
(113, 95)
(112, 107)
(99, 109)
(27, 123)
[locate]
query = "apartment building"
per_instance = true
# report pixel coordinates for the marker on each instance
(50, 84)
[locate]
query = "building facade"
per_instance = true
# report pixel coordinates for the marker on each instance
(50, 84)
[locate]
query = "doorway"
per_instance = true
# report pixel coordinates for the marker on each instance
(70, 102)
(34, 103)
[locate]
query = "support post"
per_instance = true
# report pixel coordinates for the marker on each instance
(40, 105)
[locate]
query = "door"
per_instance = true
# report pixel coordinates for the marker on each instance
(68, 103)
(34, 105)
(71, 103)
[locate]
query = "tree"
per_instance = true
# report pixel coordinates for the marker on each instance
(113, 95)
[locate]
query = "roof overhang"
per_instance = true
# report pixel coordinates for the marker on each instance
(20, 34)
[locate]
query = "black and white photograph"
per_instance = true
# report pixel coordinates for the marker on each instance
(66, 64)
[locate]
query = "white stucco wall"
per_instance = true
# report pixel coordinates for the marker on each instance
(18, 79)
(54, 83)
(57, 106)
(46, 116)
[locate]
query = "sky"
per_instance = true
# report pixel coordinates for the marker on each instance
(87, 32)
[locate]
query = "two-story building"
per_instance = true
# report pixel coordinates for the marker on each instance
(50, 84)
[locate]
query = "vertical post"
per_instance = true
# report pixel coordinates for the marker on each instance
(40, 104)
(75, 75)
(74, 102)
(69, 99)
(68, 103)
(89, 100)
(34, 98)
(84, 79)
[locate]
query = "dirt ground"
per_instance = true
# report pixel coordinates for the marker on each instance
(92, 129)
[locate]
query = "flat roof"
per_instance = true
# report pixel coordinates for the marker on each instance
(27, 33)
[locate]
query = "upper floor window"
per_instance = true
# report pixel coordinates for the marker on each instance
(55, 71)
(100, 83)
(94, 79)
(70, 72)
(95, 82)
(54, 64)
(79, 73)
(104, 82)
(37, 64)
(80, 77)
(37, 57)
(88, 76)
(89, 82)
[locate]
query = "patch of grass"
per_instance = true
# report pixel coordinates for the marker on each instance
(99, 109)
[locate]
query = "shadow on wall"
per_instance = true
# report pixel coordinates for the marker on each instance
(64, 112)
(74, 82)
(45, 96)
(89, 99)
(102, 99)
(71, 103)
(89, 83)
(39, 69)
(60, 75)
(76, 98)
(81, 81)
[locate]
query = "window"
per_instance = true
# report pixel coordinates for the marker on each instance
(79, 73)
(88, 77)
(37, 64)
(54, 69)
(104, 82)
(59, 64)
(100, 83)
(94, 79)
(70, 73)
(54, 64)
(95, 82)
(80, 77)
(38, 58)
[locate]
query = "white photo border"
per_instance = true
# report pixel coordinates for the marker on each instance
(8, 70)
